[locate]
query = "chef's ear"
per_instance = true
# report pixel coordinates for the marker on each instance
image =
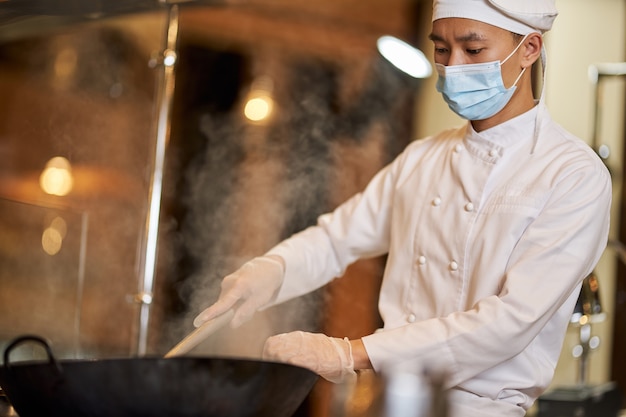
(531, 49)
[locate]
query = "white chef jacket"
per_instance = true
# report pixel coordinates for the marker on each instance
(489, 236)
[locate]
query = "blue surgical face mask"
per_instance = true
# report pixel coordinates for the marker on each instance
(476, 91)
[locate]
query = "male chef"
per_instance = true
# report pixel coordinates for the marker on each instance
(489, 228)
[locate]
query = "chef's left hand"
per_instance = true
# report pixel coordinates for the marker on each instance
(329, 357)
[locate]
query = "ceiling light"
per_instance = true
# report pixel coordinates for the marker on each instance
(405, 57)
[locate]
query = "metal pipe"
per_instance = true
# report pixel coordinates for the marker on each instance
(82, 259)
(596, 73)
(165, 98)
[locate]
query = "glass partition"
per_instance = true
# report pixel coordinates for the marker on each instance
(42, 253)
(77, 141)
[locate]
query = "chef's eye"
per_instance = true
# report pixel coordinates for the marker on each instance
(473, 51)
(440, 51)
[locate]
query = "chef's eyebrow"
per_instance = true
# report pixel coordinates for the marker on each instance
(469, 37)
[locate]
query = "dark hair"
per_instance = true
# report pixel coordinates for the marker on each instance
(517, 37)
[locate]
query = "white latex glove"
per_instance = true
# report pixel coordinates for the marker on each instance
(247, 290)
(329, 357)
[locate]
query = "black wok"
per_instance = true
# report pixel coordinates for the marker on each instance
(172, 387)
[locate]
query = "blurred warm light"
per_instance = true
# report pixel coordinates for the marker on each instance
(169, 58)
(65, 63)
(260, 105)
(56, 178)
(405, 57)
(144, 298)
(51, 241)
(53, 235)
(58, 224)
(258, 108)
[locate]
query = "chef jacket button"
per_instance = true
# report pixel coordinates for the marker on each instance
(469, 207)
(458, 148)
(421, 260)
(454, 266)
(411, 318)
(436, 201)
(493, 153)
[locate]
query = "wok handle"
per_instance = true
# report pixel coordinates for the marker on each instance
(33, 339)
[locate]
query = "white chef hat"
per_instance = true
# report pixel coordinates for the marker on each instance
(518, 16)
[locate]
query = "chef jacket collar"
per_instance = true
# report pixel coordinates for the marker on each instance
(513, 133)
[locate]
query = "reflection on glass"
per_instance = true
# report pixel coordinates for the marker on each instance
(53, 235)
(58, 224)
(51, 241)
(56, 178)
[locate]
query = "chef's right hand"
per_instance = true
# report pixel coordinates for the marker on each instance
(247, 290)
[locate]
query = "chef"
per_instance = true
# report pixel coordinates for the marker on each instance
(489, 228)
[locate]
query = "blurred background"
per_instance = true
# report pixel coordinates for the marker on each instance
(149, 148)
